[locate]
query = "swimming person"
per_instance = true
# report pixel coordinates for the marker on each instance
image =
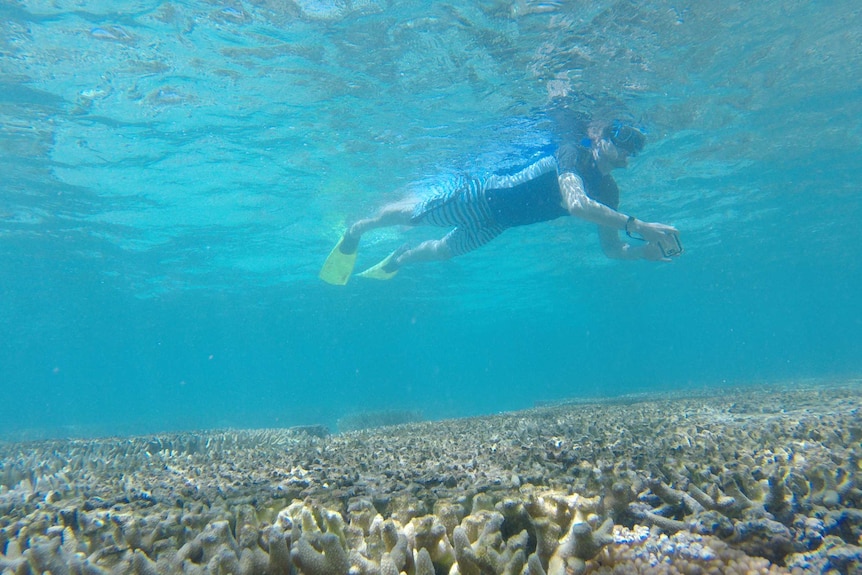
(576, 182)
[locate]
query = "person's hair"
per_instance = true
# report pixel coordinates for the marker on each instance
(625, 136)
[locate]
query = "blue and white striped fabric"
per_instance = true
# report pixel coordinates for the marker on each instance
(460, 203)
(463, 203)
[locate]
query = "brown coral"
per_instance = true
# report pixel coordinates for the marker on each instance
(773, 475)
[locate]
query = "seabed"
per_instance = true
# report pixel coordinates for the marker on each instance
(748, 480)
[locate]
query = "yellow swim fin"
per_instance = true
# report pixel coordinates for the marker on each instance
(379, 271)
(338, 266)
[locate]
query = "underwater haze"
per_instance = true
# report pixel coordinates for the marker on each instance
(174, 174)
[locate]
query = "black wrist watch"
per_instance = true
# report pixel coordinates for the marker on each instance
(628, 223)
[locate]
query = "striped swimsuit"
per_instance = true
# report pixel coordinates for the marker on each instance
(480, 209)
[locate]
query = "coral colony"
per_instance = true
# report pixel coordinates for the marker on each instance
(763, 481)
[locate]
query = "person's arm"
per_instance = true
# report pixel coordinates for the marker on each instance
(580, 205)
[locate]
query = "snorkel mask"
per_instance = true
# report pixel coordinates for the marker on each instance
(625, 137)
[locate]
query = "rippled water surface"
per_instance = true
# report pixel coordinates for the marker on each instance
(172, 176)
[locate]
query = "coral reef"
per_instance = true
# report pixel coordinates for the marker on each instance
(374, 419)
(753, 481)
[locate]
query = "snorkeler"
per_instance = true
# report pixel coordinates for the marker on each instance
(577, 182)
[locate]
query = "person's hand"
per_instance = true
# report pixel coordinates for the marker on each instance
(654, 232)
(653, 253)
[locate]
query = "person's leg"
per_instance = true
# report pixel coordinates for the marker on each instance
(430, 250)
(458, 204)
(461, 205)
(338, 266)
(396, 214)
(427, 251)
(457, 242)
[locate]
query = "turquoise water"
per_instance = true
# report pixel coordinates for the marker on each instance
(174, 174)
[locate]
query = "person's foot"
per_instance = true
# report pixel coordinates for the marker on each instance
(393, 261)
(387, 268)
(349, 242)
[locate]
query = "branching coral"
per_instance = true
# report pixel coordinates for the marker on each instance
(326, 557)
(776, 477)
(579, 545)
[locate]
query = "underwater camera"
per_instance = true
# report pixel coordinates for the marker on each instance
(670, 246)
